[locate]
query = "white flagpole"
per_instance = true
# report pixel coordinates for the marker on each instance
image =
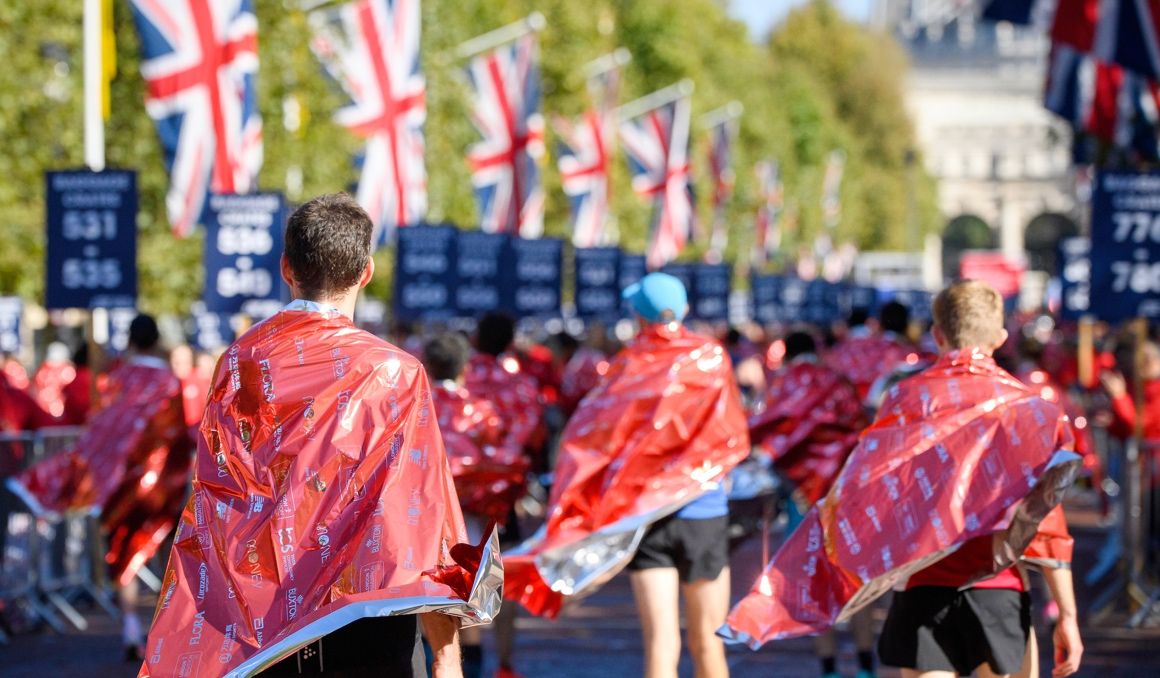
(94, 124)
(658, 98)
(727, 113)
(533, 23)
(603, 64)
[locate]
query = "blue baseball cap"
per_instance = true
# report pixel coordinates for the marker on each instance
(656, 293)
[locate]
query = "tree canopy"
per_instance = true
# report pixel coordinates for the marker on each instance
(817, 84)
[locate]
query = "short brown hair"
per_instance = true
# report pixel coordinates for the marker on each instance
(970, 314)
(328, 242)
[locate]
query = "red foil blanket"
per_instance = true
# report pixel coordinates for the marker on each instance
(512, 393)
(488, 470)
(321, 495)
(582, 373)
(664, 426)
(808, 423)
(863, 360)
(960, 451)
(131, 465)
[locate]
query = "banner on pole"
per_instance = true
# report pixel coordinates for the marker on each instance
(1074, 277)
(11, 311)
(243, 251)
(533, 289)
(597, 271)
(425, 273)
(483, 266)
(1125, 246)
(91, 220)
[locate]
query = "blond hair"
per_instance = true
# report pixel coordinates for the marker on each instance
(970, 315)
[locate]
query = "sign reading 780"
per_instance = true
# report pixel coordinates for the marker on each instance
(1125, 251)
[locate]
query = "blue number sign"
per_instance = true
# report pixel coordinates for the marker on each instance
(11, 309)
(533, 289)
(1125, 249)
(243, 249)
(597, 283)
(425, 272)
(483, 268)
(91, 219)
(1074, 277)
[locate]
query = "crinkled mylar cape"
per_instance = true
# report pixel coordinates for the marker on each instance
(959, 451)
(664, 426)
(321, 495)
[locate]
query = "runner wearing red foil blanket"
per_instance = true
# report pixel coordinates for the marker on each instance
(864, 358)
(494, 374)
(809, 420)
(323, 529)
(489, 475)
(131, 464)
(639, 482)
(808, 423)
(946, 489)
(582, 373)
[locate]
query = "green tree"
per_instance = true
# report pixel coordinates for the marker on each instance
(820, 83)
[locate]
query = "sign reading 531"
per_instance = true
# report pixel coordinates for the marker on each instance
(91, 220)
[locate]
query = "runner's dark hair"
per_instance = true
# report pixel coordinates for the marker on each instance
(328, 242)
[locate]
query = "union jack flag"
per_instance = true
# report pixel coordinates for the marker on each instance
(199, 60)
(720, 167)
(505, 167)
(766, 231)
(371, 48)
(1104, 100)
(656, 144)
(1122, 32)
(584, 152)
(585, 148)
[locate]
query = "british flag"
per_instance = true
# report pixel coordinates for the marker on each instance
(199, 59)
(720, 166)
(1121, 32)
(505, 169)
(1104, 100)
(656, 144)
(766, 231)
(583, 162)
(371, 48)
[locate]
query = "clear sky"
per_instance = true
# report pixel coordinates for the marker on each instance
(763, 14)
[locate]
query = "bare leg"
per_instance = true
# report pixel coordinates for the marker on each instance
(656, 593)
(862, 625)
(1030, 659)
(505, 633)
(707, 605)
(131, 633)
(911, 673)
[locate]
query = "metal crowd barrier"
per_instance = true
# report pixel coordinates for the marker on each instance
(47, 565)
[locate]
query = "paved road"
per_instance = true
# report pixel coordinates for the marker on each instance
(601, 638)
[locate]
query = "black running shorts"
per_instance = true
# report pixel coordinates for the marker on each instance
(699, 549)
(938, 628)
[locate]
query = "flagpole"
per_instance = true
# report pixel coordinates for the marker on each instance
(727, 113)
(94, 124)
(602, 64)
(658, 98)
(533, 23)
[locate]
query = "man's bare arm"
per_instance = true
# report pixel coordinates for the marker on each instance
(1068, 646)
(442, 633)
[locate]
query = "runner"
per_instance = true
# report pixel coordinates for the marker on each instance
(489, 472)
(809, 423)
(323, 530)
(865, 357)
(639, 482)
(131, 464)
(947, 488)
